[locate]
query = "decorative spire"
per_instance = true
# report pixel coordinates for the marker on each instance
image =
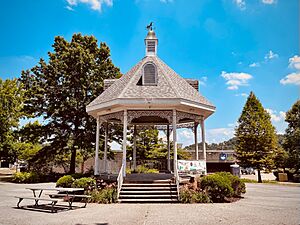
(151, 41)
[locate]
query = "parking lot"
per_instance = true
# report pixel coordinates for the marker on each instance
(262, 204)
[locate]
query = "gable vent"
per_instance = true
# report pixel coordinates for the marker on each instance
(149, 77)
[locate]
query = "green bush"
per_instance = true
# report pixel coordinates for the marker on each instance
(217, 187)
(191, 196)
(152, 171)
(65, 181)
(141, 169)
(237, 184)
(104, 196)
(87, 183)
(77, 175)
(25, 177)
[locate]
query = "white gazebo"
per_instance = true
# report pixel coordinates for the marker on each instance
(151, 93)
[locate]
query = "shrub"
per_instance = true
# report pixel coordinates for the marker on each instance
(104, 196)
(77, 175)
(25, 177)
(87, 183)
(191, 196)
(152, 171)
(237, 184)
(141, 169)
(65, 181)
(217, 187)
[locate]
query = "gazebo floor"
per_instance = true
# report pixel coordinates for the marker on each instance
(149, 178)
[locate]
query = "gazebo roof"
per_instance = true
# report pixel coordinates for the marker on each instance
(169, 90)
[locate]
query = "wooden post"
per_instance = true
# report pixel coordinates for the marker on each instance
(134, 148)
(105, 147)
(196, 140)
(124, 141)
(169, 148)
(174, 139)
(96, 169)
(203, 140)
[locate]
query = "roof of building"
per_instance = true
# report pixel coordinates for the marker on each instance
(169, 85)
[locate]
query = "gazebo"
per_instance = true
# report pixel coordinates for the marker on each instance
(150, 93)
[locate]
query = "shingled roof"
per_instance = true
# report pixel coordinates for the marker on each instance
(169, 86)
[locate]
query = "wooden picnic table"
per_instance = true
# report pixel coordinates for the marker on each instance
(69, 195)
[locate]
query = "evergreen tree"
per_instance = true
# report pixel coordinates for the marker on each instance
(60, 89)
(291, 141)
(256, 142)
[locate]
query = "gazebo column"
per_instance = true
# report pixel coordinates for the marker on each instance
(124, 141)
(169, 148)
(174, 140)
(134, 148)
(105, 147)
(196, 141)
(96, 169)
(203, 140)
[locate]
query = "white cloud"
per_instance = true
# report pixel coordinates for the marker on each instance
(217, 135)
(255, 64)
(275, 116)
(94, 4)
(294, 62)
(240, 3)
(268, 2)
(234, 80)
(202, 81)
(271, 55)
(245, 95)
(69, 8)
(292, 78)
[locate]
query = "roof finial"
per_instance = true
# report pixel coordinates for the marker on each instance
(150, 26)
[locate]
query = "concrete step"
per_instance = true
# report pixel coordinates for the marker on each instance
(148, 200)
(145, 196)
(172, 192)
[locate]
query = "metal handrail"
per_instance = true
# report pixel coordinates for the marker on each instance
(177, 179)
(120, 179)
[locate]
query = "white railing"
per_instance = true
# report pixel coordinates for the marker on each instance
(120, 179)
(177, 179)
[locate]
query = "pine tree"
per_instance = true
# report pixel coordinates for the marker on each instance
(291, 141)
(256, 138)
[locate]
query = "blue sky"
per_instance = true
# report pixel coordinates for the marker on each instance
(232, 46)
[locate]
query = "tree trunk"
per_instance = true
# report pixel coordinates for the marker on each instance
(73, 161)
(259, 176)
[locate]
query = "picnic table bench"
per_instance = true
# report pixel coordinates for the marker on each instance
(68, 194)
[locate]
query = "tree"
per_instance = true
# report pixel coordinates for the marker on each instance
(291, 141)
(256, 141)
(11, 103)
(60, 89)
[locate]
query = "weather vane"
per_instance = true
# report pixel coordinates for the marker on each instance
(150, 26)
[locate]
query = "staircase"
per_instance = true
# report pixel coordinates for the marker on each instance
(148, 191)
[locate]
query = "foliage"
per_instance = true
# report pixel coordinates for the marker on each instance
(11, 103)
(217, 187)
(256, 142)
(87, 183)
(237, 184)
(192, 196)
(59, 89)
(225, 145)
(25, 177)
(152, 171)
(65, 181)
(144, 169)
(291, 141)
(104, 196)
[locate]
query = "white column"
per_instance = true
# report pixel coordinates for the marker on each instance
(174, 140)
(203, 140)
(105, 147)
(96, 169)
(196, 140)
(169, 148)
(124, 141)
(134, 148)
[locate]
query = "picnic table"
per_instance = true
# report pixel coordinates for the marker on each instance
(68, 194)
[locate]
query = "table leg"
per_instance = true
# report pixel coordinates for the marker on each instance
(20, 200)
(34, 194)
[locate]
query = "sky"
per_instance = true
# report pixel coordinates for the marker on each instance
(231, 46)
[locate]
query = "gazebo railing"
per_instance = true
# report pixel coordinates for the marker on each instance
(120, 179)
(177, 179)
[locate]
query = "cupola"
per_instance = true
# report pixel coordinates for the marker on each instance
(151, 41)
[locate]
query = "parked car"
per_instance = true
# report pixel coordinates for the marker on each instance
(247, 170)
